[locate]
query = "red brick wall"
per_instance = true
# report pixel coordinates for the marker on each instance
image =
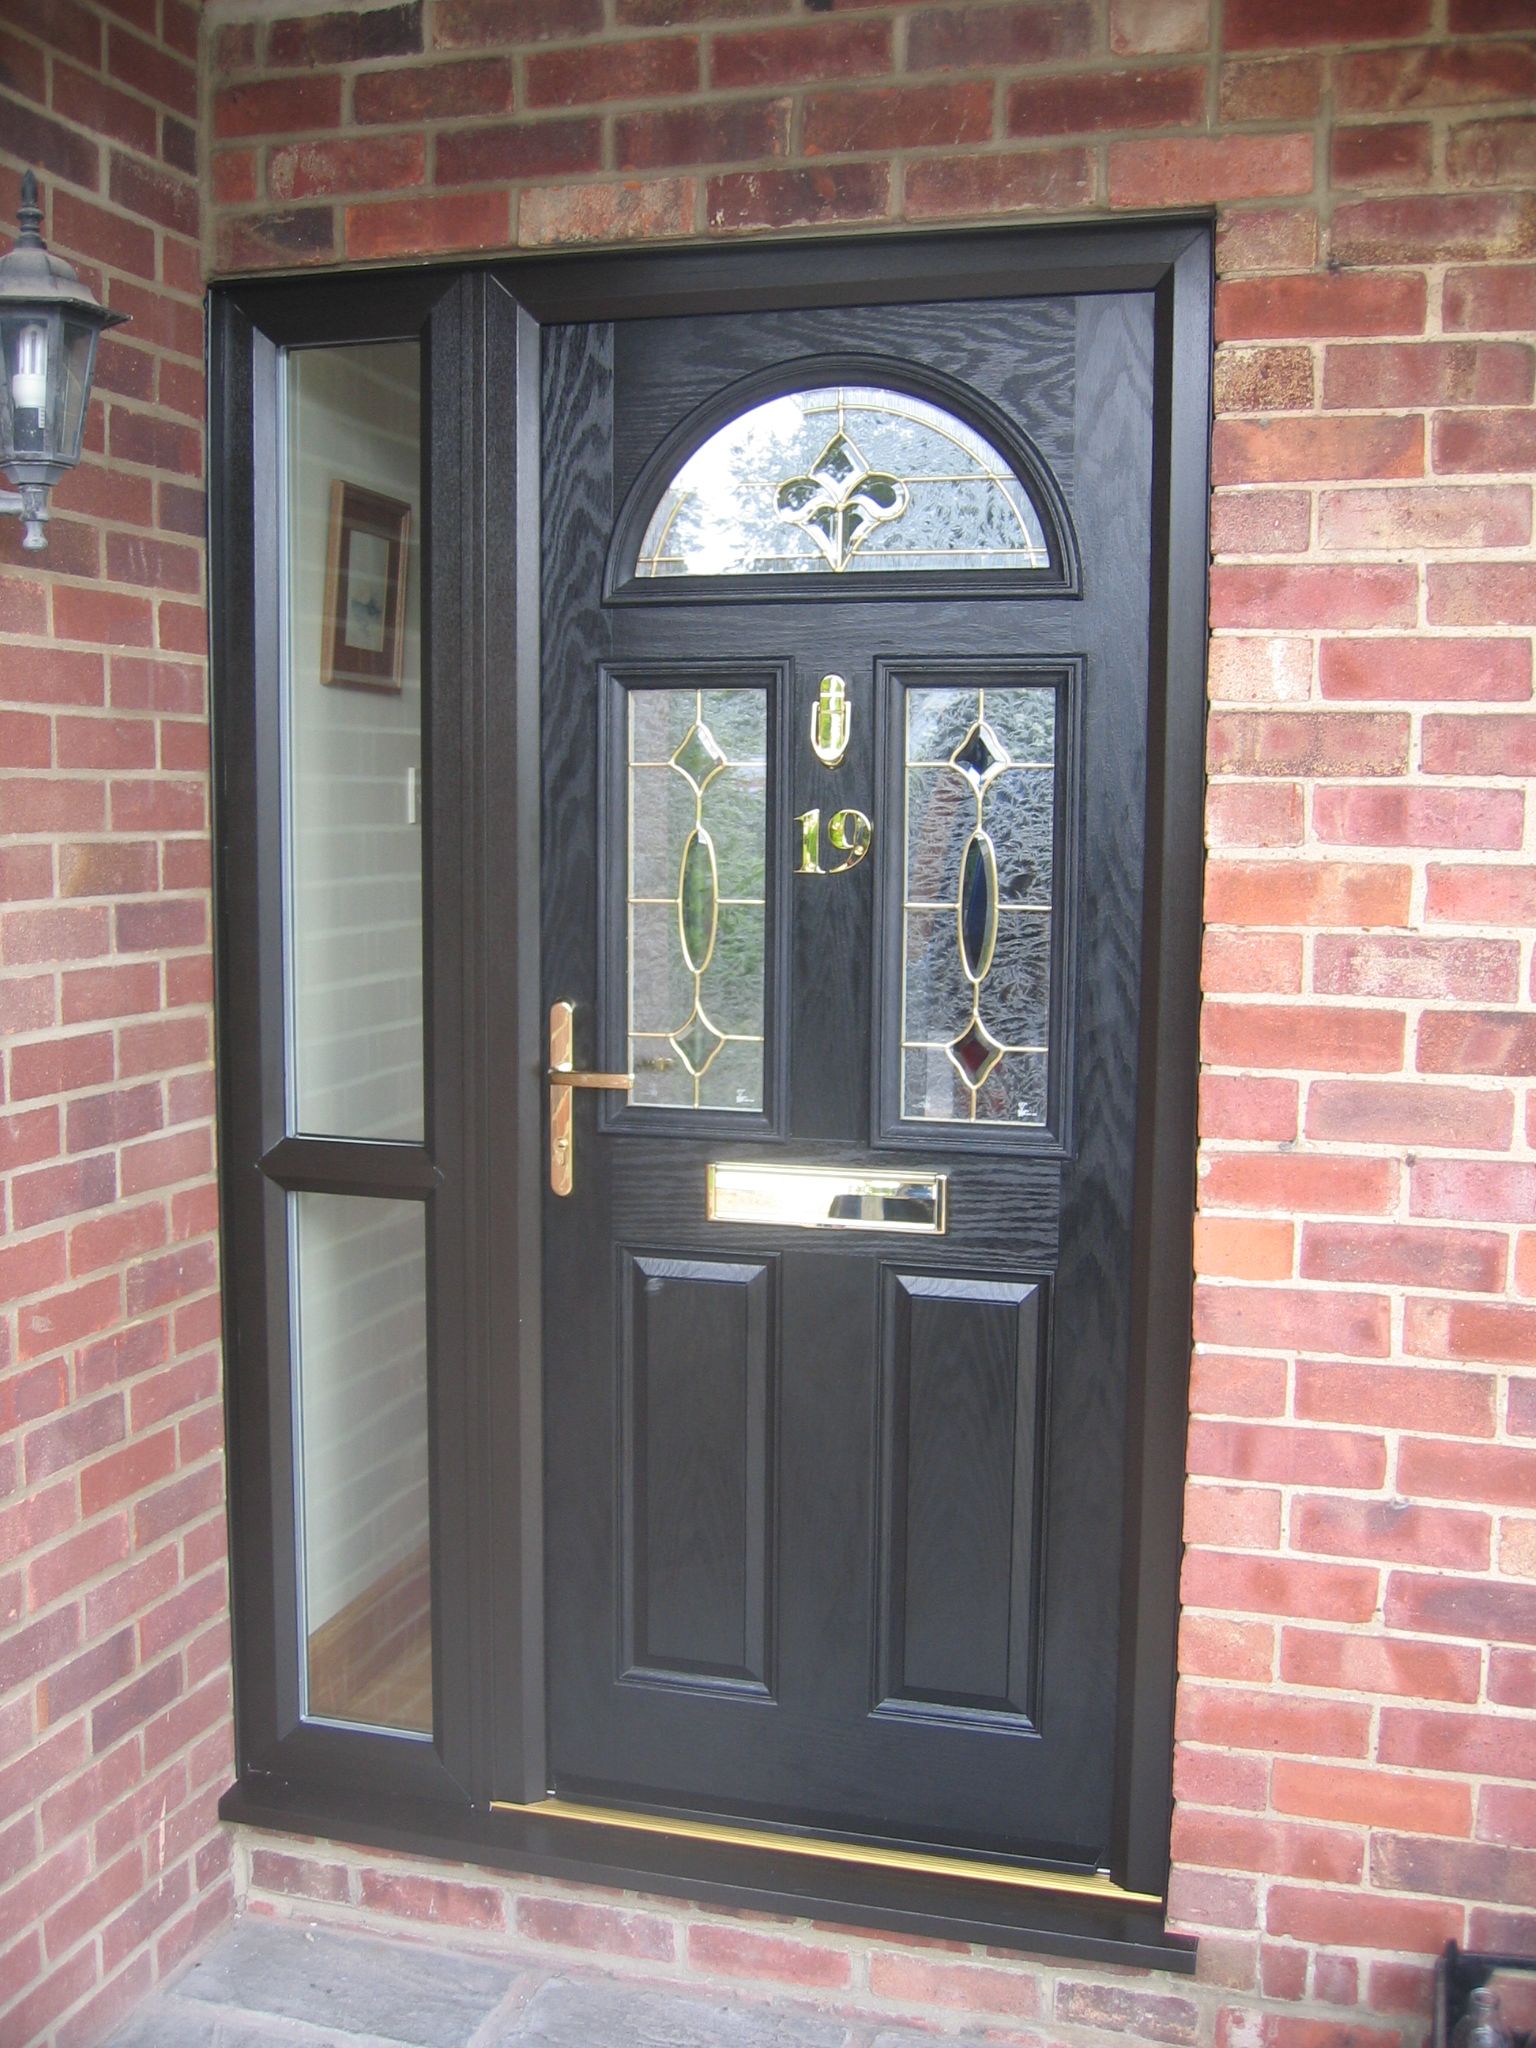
(114, 1680)
(1356, 1756)
(1354, 1763)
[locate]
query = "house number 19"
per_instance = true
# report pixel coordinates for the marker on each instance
(849, 833)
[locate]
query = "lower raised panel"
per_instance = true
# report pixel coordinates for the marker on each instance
(697, 1471)
(960, 1496)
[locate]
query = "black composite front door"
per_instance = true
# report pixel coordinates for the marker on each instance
(845, 651)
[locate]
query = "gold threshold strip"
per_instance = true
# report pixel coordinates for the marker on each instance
(1080, 1885)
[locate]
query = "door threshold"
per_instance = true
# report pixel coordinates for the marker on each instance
(1078, 1884)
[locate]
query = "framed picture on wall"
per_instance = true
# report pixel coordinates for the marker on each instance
(365, 590)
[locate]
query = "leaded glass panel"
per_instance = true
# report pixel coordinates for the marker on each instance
(842, 478)
(697, 865)
(980, 775)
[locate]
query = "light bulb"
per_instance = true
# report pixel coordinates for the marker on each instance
(29, 379)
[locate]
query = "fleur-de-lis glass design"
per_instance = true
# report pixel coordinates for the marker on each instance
(976, 968)
(842, 477)
(697, 846)
(842, 500)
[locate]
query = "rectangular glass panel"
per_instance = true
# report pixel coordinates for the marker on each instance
(977, 904)
(353, 740)
(697, 877)
(360, 1294)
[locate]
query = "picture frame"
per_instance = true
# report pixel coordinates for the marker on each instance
(365, 589)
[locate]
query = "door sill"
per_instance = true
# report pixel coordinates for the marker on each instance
(829, 1849)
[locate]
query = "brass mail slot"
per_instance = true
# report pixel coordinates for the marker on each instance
(827, 1198)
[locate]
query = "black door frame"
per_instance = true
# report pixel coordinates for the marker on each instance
(480, 333)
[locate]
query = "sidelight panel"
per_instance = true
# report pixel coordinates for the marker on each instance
(360, 1301)
(960, 1502)
(353, 740)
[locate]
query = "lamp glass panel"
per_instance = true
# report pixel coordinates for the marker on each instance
(29, 345)
(78, 354)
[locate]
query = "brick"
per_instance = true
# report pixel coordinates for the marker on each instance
(85, 1676)
(1488, 744)
(1396, 1531)
(1290, 595)
(1321, 1182)
(134, 1705)
(1486, 442)
(1413, 1113)
(1476, 1190)
(1512, 1678)
(1328, 1038)
(1459, 1870)
(1235, 1518)
(1494, 1333)
(441, 1902)
(1117, 2009)
(1251, 963)
(1054, 179)
(1423, 667)
(49, 146)
(1482, 594)
(812, 53)
(1360, 1921)
(298, 1877)
(107, 868)
(1272, 1848)
(893, 117)
(1213, 1646)
(1488, 1475)
(1295, 892)
(1400, 373)
(532, 149)
(549, 215)
(1436, 517)
(915, 1980)
(1500, 152)
(1275, 1723)
(1384, 154)
(471, 23)
(1206, 1898)
(1369, 1797)
(1196, 170)
(305, 234)
(67, 1439)
(306, 170)
(451, 221)
(346, 38)
(1506, 1814)
(749, 199)
(157, 195)
(1305, 450)
(1434, 228)
(1241, 1248)
(1258, 1452)
(1293, 1319)
(287, 106)
(1263, 379)
(648, 68)
(1476, 1042)
(1404, 1255)
(52, 936)
(1266, 238)
(1258, 522)
(1439, 74)
(983, 38)
(1273, 89)
(1207, 1777)
(1090, 102)
(1244, 1106)
(428, 92)
(1480, 1609)
(570, 1923)
(1270, 24)
(1491, 298)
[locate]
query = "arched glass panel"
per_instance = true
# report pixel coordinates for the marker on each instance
(841, 478)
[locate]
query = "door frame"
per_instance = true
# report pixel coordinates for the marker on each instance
(480, 332)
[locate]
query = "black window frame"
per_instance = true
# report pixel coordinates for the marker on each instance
(479, 329)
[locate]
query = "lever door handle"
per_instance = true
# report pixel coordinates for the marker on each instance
(564, 1078)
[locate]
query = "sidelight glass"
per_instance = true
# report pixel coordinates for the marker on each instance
(697, 876)
(359, 1266)
(353, 740)
(842, 478)
(977, 903)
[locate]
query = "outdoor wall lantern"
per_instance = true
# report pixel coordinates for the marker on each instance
(49, 327)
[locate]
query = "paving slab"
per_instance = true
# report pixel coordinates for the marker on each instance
(165, 2023)
(569, 2013)
(348, 1988)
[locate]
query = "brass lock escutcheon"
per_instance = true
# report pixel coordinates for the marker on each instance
(564, 1080)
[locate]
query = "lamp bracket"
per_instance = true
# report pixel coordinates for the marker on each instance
(29, 504)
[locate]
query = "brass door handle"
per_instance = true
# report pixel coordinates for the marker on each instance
(564, 1078)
